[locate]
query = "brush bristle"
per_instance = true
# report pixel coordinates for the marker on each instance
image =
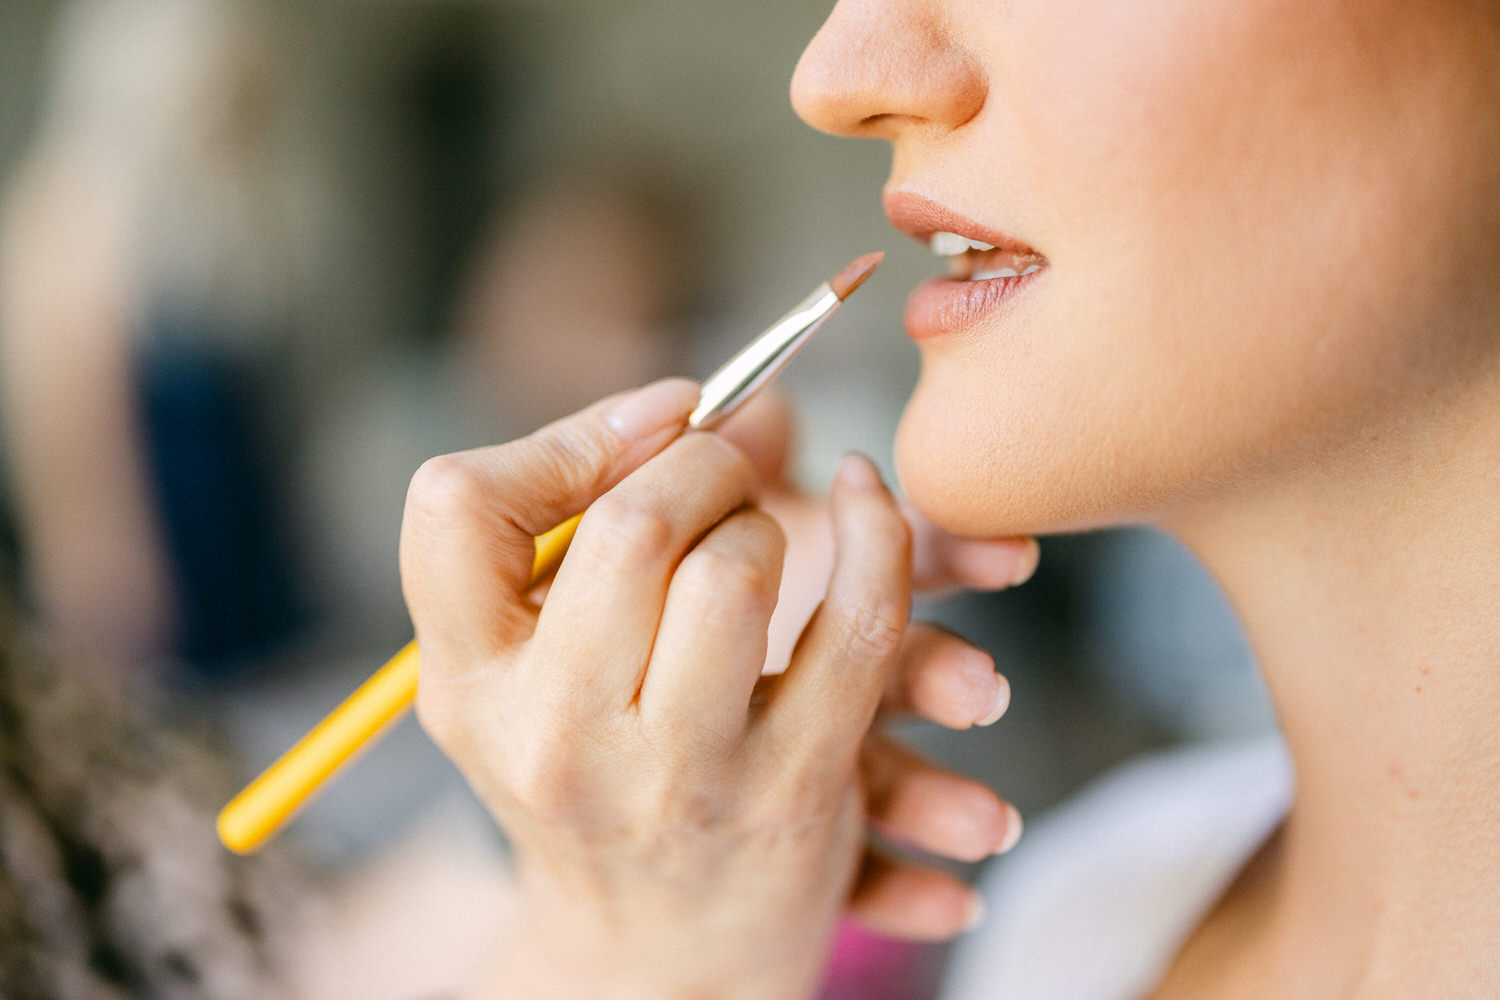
(846, 281)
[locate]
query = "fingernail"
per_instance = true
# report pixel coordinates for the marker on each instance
(651, 408)
(858, 472)
(1012, 829)
(1028, 562)
(976, 912)
(1000, 703)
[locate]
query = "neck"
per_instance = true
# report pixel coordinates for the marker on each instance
(1370, 594)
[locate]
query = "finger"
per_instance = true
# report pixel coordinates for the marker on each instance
(467, 534)
(712, 641)
(903, 900)
(827, 698)
(605, 606)
(944, 679)
(944, 562)
(918, 803)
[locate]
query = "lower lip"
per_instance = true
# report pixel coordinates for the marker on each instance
(942, 305)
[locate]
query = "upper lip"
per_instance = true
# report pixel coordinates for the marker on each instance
(919, 217)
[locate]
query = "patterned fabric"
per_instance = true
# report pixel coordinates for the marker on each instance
(112, 883)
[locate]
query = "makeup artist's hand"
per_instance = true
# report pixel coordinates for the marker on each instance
(680, 827)
(765, 431)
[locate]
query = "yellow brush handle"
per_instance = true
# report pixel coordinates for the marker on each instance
(255, 814)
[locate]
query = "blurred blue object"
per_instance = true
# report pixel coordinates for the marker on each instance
(210, 462)
(1165, 636)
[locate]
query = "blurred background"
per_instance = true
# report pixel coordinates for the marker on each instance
(258, 260)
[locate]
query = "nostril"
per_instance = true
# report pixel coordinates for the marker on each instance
(879, 66)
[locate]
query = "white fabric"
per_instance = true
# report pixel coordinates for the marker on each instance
(1101, 893)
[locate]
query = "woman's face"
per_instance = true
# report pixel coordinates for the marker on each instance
(1268, 232)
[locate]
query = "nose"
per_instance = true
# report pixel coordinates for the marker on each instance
(877, 67)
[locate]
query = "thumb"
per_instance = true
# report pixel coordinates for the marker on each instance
(467, 534)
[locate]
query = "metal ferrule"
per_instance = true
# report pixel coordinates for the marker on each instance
(758, 363)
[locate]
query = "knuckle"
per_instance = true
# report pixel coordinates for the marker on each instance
(544, 780)
(710, 741)
(873, 628)
(446, 488)
(628, 530)
(733, 578)
(569, 457)
(809, 798)
(534, 783)
(693, 813)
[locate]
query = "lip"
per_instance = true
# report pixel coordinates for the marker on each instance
(941, 306)
(919, 217)
(946, 305)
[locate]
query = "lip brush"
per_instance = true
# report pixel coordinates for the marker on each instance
(254, 815)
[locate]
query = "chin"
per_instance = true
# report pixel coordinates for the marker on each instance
(952, 471)
(979, 474)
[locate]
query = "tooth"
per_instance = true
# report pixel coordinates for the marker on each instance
(948, 244)
(981, 245)
(1031, 269)
(1003, 272)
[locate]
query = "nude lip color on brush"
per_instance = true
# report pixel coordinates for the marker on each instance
(255, 815)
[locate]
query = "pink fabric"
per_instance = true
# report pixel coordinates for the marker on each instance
(866, 966)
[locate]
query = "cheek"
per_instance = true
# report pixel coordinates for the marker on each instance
(1228, 197)
(1139, 118)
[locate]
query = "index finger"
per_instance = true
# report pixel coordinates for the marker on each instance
(471, 517)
